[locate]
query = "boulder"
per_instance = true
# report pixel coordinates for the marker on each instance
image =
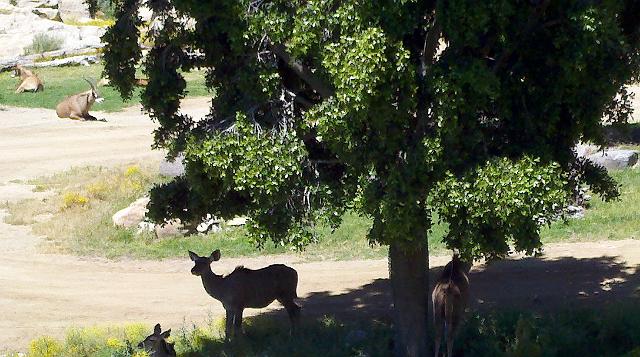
(172, 228)
(615, 158)
(133, 215)
(73, 10)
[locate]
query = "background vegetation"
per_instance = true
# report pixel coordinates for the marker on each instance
(43, 42)
(76, 218)
(608, 332)
(60, 82)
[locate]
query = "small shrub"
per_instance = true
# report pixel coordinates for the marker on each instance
(132, 171)
(73, 199)
(43, 42)
(98, 190)
(45, 346)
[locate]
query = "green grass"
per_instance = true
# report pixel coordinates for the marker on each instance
(85, 199)
(61, 82)
(605, 332)
(92, 22)
(614, 220)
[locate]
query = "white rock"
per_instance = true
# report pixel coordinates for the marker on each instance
(615, 159)
(73, 10)
(132, 215)
(238, 221)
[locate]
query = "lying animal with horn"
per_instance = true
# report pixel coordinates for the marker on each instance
(78, 105)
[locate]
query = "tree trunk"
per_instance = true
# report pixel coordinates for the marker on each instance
(408, 271)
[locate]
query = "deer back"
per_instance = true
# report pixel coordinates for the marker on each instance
(258, 288)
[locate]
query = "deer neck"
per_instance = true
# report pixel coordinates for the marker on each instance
(213, 284)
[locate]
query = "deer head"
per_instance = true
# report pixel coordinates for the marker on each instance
(202, 264)
(157, 345)
(95, 95)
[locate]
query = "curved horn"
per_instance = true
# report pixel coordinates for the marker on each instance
(91, 84)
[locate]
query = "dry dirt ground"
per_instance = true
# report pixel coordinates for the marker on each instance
(47, 293)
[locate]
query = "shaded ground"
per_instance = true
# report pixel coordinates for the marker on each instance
(45, 294)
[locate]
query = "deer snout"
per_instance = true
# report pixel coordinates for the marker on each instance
(194, 271)
(99, 100)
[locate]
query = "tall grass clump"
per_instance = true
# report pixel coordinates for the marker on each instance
(607, 332)
(43, 42)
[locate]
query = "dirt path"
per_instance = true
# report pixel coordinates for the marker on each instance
(46, 294)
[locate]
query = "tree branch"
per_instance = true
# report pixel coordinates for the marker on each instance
(431, 41)
(302, 71)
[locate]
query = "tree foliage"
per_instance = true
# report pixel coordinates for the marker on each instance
(326, 105)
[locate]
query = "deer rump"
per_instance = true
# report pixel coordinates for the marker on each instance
(259, 288)
(449, 304)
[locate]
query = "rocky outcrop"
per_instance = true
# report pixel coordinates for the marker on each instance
(21, 23)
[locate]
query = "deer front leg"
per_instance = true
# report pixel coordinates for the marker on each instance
(237, 323)
(228, 325)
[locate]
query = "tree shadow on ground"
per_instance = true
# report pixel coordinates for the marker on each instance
(534, 284)
(506, 298)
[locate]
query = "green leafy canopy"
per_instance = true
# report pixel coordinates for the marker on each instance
(324, 105)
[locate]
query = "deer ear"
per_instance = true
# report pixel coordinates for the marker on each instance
(193, 256)
(157, 329)
(215, 256)
(166, 334)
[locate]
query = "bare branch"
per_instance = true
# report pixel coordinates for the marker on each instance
(302, 71)
(431, 42)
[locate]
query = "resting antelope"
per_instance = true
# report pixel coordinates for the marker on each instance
(78, 105)
(29, 81)
(246, 288)
(450, 297)
(156, 343)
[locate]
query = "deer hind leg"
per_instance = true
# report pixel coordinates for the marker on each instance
(452, 329)
(75, 116)
(438, 323)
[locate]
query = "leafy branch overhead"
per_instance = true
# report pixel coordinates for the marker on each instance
(396, 109)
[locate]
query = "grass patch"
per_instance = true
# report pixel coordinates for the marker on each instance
(92, 22)
(572, 333)
(61, 82)
(604, 220)
(83, 201)
(43, 42)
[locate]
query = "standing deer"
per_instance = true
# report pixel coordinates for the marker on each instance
(450, 297)
(246, 288)
(29, 81)
(156, 343)
(78, 105)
